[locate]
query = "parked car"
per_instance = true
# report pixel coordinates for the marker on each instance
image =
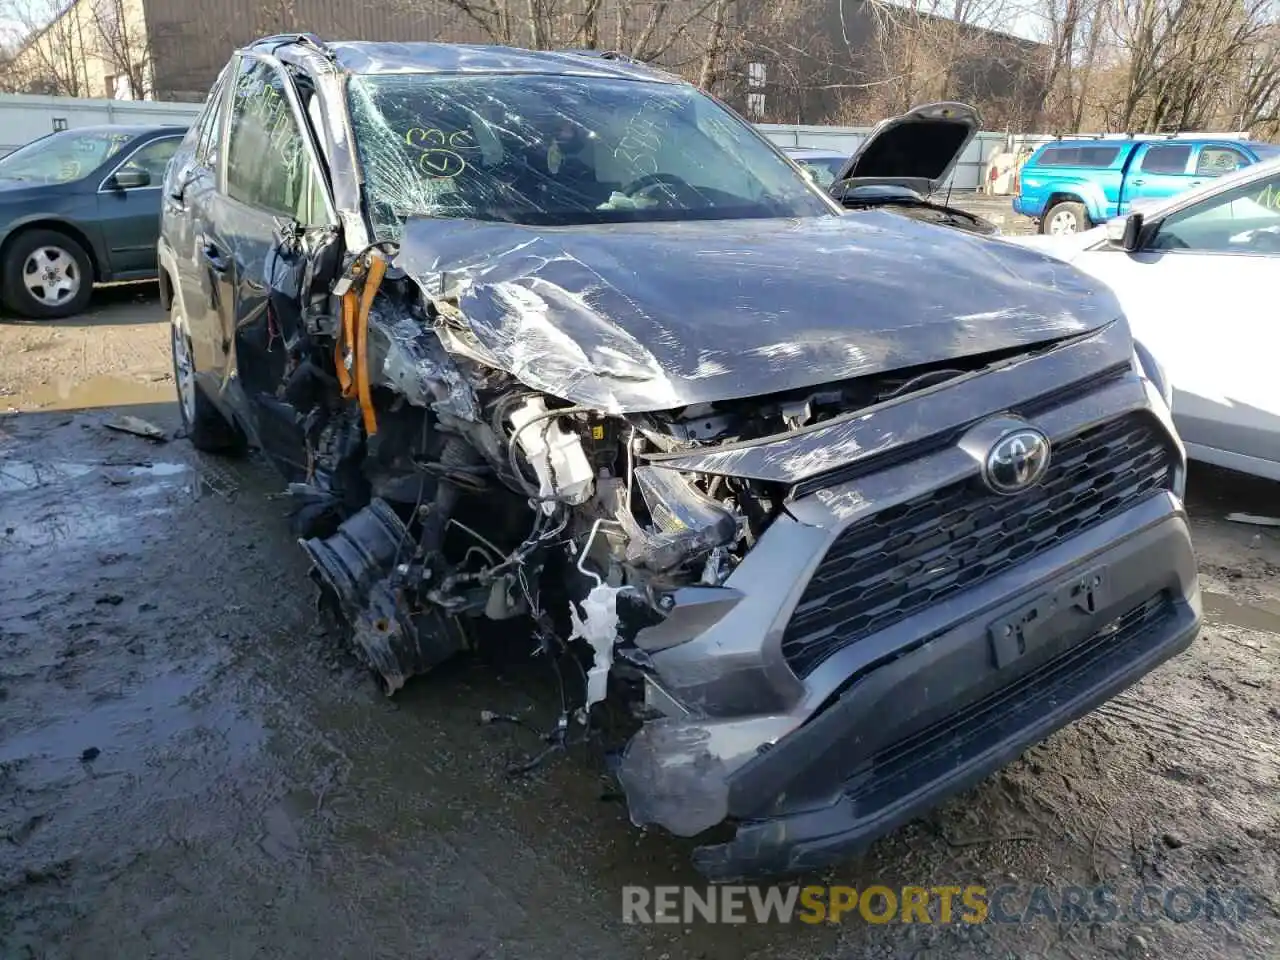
(80, 207)
(1195, 276)
(1067, 186)
(842, 512)
(902, 166)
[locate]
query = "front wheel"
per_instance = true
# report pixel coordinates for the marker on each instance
(46, 275)
(1066, 218)
(202, 422)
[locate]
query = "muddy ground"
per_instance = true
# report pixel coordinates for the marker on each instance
(190, 766)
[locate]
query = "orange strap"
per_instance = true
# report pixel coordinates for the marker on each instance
(373, 280)
(346, 338)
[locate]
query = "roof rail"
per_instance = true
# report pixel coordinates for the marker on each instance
(1181, 135)
(278, 39)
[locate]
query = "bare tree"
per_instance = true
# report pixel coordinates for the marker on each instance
(52, 56)
(691, 36)
(124, 44)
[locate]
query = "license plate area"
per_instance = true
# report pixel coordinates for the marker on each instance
(1052, 612)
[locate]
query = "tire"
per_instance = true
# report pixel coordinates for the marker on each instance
(45, 275)
(1067, 217)
(202, 421)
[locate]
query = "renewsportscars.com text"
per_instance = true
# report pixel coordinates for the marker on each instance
(969, 904)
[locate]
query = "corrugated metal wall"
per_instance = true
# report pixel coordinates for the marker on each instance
(192, 39)
(23, 118)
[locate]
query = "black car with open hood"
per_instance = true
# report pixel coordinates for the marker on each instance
(818, 514)
(905, 161)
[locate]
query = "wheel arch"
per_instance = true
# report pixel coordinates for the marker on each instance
(57, 226)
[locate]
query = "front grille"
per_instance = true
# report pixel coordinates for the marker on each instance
(909, 556)
(895, 770)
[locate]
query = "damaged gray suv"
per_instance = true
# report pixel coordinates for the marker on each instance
(839, 510)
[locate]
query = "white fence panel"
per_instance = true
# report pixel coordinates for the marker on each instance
(24, 117)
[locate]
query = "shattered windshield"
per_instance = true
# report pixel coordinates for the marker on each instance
(63, 157)
(561, 150)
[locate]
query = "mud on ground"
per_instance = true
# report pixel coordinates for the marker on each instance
(191, 766)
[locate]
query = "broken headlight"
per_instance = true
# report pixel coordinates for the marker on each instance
(686, 523)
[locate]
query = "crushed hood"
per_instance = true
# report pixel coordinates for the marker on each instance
(917, 150)
(629, 318)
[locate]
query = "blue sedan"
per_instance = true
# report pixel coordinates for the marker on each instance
(80, 207)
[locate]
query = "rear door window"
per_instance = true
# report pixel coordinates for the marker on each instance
(1215, 161)
(1166, 158)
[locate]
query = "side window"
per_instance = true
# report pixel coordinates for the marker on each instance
(209, 138)
(1078, 157)
(1169, 158)
(268, 165)
(153, 158)
(1215, 161)
(1245, 219)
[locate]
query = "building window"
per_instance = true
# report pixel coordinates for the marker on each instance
(755, 106)
(757, 75)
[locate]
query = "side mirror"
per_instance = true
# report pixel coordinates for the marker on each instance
(1124, 232)
(130, 178)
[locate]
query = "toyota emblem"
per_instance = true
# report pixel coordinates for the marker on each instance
(1016, 461)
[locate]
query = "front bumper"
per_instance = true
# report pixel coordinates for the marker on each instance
(815, 764)
(941, 718)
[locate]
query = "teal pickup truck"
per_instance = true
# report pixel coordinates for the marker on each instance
(1070, 185)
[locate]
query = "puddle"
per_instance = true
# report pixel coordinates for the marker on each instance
(1263, 615)
(74, 525)
(18, 475)
(100, 391)
(129, 729)
(22, 475)
(158, 469)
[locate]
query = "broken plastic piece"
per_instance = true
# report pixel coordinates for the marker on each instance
(598, 626)
(1254, 520)
(138, 427)
(676, 773)
(556, 455)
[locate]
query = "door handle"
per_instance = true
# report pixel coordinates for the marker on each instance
(217, 259)
(1137, 183)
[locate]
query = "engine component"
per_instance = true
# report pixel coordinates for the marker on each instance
(359, 554)
(598, 626)
(398, 642)
(556, 455)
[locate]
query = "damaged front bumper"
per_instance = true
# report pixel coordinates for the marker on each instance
(815, 734)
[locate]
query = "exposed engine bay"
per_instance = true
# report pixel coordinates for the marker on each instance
(442, 493)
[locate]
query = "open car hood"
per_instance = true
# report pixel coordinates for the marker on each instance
(639, 317)
(917, 150)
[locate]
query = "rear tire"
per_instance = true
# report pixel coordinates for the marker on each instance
(203, 423)
(45, 275)
(1066, 218)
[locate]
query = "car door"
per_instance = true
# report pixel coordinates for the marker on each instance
(273, 190)
(1198, 296)
(189, 190)
(130, 217)
(1159, 171)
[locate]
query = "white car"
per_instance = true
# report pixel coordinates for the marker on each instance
(1198, 277)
